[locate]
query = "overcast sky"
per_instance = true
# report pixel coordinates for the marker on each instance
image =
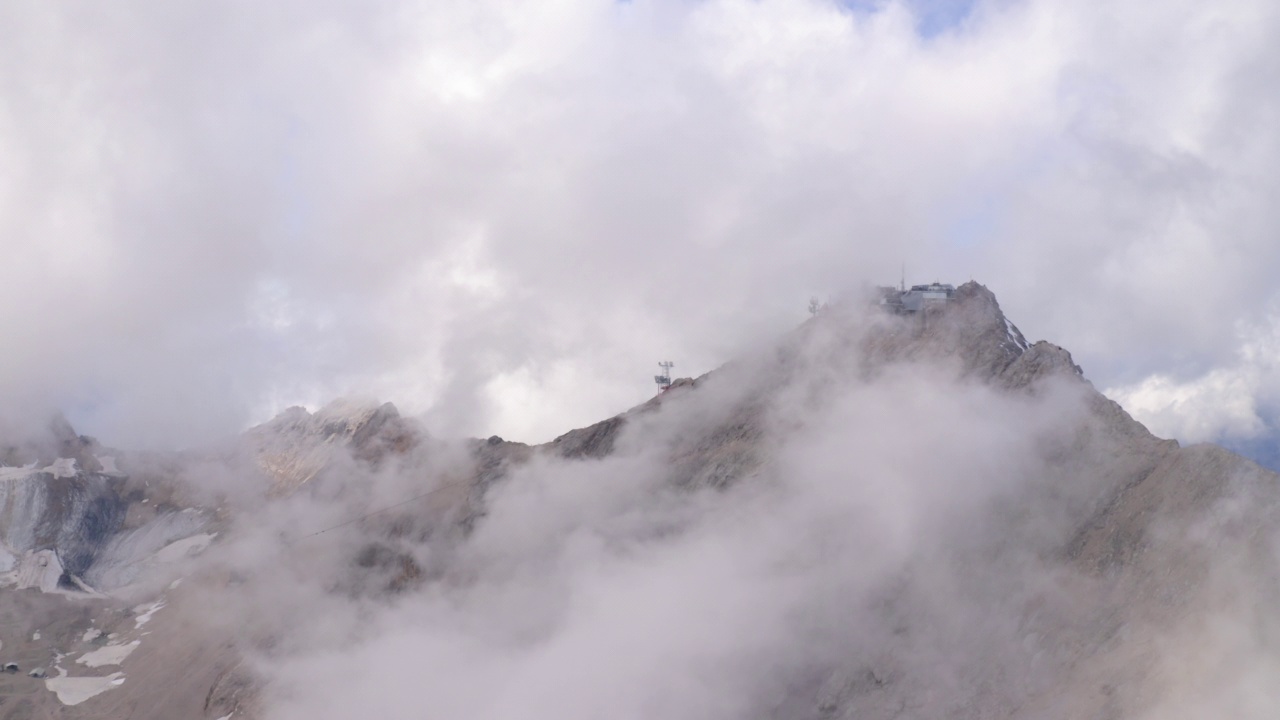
(503, 214)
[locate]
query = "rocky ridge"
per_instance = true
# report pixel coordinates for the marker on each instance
(1146, 539)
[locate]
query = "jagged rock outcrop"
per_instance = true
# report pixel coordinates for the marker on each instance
(70, 519)
(971, 332)
(594, 441)
(296, 445)
(46, 445)
(71, 512)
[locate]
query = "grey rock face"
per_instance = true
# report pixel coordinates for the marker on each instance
(296, 445)
(77, 507)
(124, 556)
(74, 515)
(594, 441)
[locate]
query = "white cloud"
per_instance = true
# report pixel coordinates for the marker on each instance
(470, 191)
(1234, 401)
(1221, 403)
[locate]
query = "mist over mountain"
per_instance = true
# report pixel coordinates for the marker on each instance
(329, 334)
(879, 514)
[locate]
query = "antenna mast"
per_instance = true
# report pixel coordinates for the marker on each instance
(664, 380)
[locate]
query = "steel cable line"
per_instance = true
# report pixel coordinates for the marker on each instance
(419, 496)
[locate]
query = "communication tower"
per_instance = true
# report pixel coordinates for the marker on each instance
(664, 380)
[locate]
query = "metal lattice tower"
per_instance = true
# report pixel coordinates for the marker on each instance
(664, 380)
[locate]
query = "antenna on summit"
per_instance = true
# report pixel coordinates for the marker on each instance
(664, 380)
(902, 284)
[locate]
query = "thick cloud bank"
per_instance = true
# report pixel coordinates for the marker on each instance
(502, 214)
(887, 531)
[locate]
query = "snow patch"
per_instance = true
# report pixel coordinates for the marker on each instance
(61, 468)
(35, 635)
(16, 473)
(144, 613)
(186, 547)
(128, 556)
(1015, 336)
(108, 655)
(108, 464)
(75, 690)
(91, 634)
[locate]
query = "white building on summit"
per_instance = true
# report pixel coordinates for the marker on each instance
(901, 300)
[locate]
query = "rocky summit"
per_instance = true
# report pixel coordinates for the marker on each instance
(879, 515)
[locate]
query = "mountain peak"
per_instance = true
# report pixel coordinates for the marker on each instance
(967, 328)
(295, 445)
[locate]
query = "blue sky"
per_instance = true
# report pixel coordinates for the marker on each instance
(933, 17)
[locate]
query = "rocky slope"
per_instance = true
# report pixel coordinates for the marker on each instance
(1083, 581)
(71, 520)
(1142, 542)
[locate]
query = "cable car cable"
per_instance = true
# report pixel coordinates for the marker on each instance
(420, 496)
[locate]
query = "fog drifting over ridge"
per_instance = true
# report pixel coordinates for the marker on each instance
(912, 535)
(876, 515)
(596, 587)
(502, 216)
